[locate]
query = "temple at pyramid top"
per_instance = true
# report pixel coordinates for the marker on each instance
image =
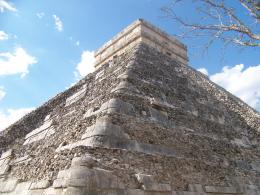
(141, 31)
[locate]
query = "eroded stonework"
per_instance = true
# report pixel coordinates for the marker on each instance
(141, 124)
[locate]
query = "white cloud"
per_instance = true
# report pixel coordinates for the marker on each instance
(40, 15)
(77, 43)
(86, 65)
(4, 5)
(3, 35)
(16, 63)
(242, 82)
(204, 71)
(2, 92)
(12, 115)
(58, 23)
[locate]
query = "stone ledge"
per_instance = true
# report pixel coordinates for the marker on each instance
(223, 190)
(43, 184)
(43, 131)
(82, 181)
(47, 124)
(76, 96)
(20, 160)
(131, 145)
(114, 105)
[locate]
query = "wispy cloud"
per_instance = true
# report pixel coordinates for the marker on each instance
(4, 5)
(40, 15)
(2, 92)
(3, 35)
(242, 82)
(16, 63)
(86, 64)
(73, 41)
(58, 23)
(12, 115)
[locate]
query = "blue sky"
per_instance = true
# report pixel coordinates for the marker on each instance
(47, 46)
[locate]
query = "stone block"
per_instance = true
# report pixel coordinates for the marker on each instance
(195, 188)
(43, 184)
(104, 128)
(135, 192)
(39, 133)
(99, 74)
(252, 187)
(47, 117)
(50, 131)
(187, 193)
(9, 185)
(60, 183)
(22, 188)
(35, 192)
(4, 168)
(76, 96)
(4, 161)
(240, 142)
(149, 184)
(53, 191)
(224, 190)
(123, 85)
(255, 166)
(150, 148)
(106, 180)
(118, 105)
(114, 105)
(92, 178)
(36, 137)
(6, 154)
(75, 191)
(63, 174)
(86, 161)
(81, 182)
(80, 173)
(158, 115)
(252, 192)
(36, 131)
(21, 160)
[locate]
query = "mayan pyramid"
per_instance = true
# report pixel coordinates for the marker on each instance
(144, 123)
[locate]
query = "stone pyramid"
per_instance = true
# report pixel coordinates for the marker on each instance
(144, 123)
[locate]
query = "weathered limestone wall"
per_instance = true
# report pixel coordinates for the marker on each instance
(141, 124)
(144, 123)
(141, 31)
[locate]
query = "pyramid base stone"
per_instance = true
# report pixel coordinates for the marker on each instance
(112, 174)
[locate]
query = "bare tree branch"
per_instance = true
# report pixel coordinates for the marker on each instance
(221, 21)
(252, 8)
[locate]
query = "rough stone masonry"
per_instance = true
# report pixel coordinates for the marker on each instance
(144, 123)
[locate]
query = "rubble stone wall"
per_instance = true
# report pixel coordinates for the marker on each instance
(141, 124)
